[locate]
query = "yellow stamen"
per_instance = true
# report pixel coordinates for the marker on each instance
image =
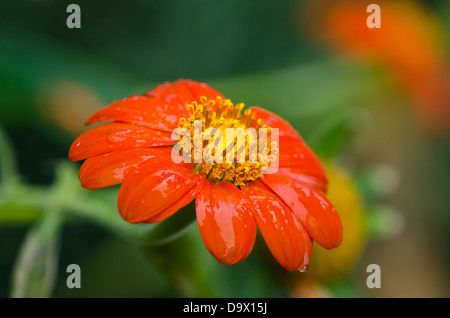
(222, 114)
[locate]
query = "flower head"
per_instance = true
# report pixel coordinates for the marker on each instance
(232, 197)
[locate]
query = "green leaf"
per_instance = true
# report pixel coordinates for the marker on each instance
(330, 137)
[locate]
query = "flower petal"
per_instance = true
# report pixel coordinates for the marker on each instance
(317, 215)
(308, 251)
(116, 136)
(183, 92)
(154, 191)
(298, 161)
(283, 233)
(143, 111)
(304, 176)
(275, 121)
(111, 168)
(226, 227)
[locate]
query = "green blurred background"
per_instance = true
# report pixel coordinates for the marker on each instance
(390, 171)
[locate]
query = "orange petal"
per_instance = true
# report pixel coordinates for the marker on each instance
(116, 136)
(275, 121)
(317, 215)
(226, 227)
(298, 161)
(183, 92)
(154, 191)
(143, 111)
(282, 231)
(304, 176)
(111, 168)
(308, 251)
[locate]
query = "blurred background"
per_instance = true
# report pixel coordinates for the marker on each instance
(374, 104)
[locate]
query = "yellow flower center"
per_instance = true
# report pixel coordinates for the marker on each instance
(225, 147)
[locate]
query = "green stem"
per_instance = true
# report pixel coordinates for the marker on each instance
(35, 270)
(7, 159)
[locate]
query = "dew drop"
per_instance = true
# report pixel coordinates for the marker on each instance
(113, 138)
(304, 269)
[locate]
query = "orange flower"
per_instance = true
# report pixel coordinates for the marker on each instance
(231, 199)
(409, 45)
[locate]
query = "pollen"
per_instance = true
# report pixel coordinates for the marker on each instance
(228, 144)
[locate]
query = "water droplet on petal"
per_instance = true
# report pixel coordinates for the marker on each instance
(115, 138)
(304, 269)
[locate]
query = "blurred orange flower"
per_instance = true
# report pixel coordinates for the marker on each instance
(409, 45)
(231, 199)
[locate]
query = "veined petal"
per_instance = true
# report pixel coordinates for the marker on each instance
(226, 226)
(304, 176)
(143, 111)
(116, 136)
(308, 251)
(298, 161)
(280, 228)
(317, 215)
(111, 168)
(154, 191)
(183, 92)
